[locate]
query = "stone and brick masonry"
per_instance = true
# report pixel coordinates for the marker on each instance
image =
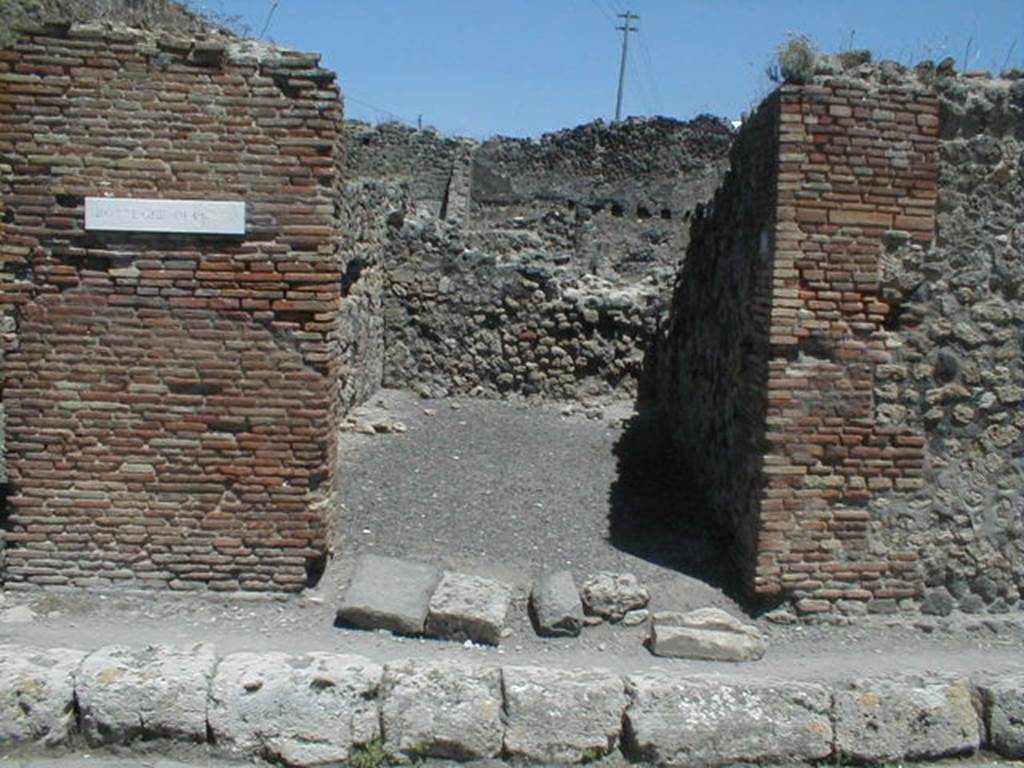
(530, 267)
(170, 399)
(842, 370)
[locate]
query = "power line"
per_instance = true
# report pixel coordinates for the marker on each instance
(380, 110)
(642, 90)
(649, 66)
(603, 11)
(270, 15)
(626, 28)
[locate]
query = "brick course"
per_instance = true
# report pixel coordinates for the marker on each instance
(855, 163)
(769, 363)
(171, 399)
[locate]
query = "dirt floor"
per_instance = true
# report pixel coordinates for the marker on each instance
(507, 490)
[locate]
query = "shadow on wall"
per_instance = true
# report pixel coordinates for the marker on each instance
(658, 514)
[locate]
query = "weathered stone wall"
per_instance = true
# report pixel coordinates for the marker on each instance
(430, 164)
(171, 399)
(711, 361)
(629, 187)
(888, 458)
(957, 375)
(487, 322)
(370, 212)
(546, 271)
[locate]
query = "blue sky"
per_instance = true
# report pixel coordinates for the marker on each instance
(525, 67)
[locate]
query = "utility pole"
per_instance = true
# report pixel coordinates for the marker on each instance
(626, 28)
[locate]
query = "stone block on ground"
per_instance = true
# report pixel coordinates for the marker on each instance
(561, 717)
(442, 710)
(37, 695)
(555, 605)
(1004, 714)
(710, 721)
(706, 633)
(909, 718)
(299, 710)
(613, 595)
(156, 691)
(388, 593)
(468, 608)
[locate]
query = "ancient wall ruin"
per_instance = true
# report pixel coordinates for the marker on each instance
(851, 402)
(536, 267)
(171, 399)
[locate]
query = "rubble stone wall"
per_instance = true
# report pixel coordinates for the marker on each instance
(171, 399)
(711, 362)
(889, 461)
(536, 267)
(426, 161)
(370, 212)
(465, 320)
(957, 373)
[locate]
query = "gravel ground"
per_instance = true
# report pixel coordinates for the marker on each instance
(506, 490)
(509, 490)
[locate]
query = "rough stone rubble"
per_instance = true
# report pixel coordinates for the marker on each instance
(324, 708)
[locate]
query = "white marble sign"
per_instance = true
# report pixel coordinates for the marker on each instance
(200, 217)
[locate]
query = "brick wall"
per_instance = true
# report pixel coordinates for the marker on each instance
(857, 162)
(171, 399)
(825, 393)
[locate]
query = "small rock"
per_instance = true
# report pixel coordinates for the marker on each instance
(555, 605)
(937, 602)
(19, 614)
(635, 617)
(388, 593)
(781, 615)
(972, 603)
(707, 633)
(592, 621)
(612, 595)
(468, 607)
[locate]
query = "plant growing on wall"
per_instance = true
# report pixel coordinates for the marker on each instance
(797, 57)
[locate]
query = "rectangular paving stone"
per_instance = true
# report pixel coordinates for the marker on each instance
(388, 593)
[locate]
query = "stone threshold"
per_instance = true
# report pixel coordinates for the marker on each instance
(328, 708)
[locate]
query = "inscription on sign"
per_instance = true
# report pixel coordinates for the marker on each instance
(200, 217)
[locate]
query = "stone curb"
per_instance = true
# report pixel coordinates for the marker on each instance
(321, 708)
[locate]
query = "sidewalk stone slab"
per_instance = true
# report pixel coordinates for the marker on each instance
(613, 595)
(707, 633)
(300, 710)
(441, 709)
(388, 593)
(710, 721)
(562, 716)
(157, 691)
(37, 695)
(910, 718)
(468, 608)
(1004, 713)
(556, 607)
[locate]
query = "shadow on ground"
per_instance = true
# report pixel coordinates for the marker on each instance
(656, 513)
